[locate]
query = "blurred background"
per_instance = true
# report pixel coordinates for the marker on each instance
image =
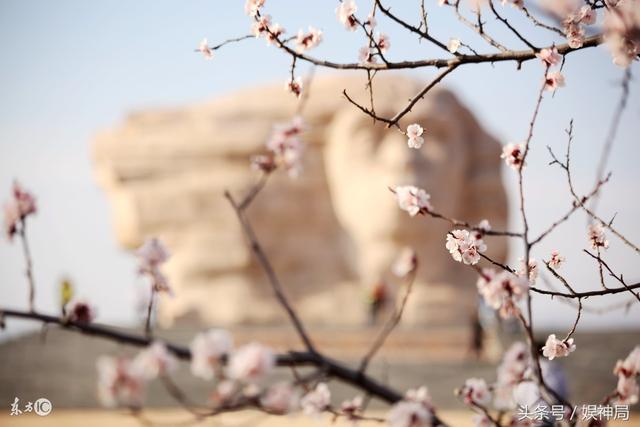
(73, 70)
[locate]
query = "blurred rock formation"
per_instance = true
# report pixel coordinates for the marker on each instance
(333, 232)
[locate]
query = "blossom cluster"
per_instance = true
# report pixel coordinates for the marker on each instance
(285, 148)
(502, 291)
(465, 246)
(628, 370)
(151, 255)
(415, 410)
(412, 199)
(513, 155)
(557, 348)
(597, 238)
(21, 205)
(622, 31)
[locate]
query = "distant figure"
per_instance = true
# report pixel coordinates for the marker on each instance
(378, 299)
(66, 294)
(476, 344)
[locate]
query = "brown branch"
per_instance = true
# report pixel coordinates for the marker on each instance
(264, 262)
(28, 262)
(620, 279)
(390, 325)
(511, 27)
(332, 367)
(573, 292)
(608, 291)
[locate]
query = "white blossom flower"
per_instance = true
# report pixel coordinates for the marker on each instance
(309, 40)
(627, 390)
(420, 395)
(316, 401)
(533, 270)
(275, 31)
(453, 45)
(406, 263)
(511, 371)
(345, 13)
(294, 86)
(152, 254)
(557, 348)
(409, 414)
(119, 383)
(414, 135)
(383, 42)
(513, 155)
(503, 291)
(367, 55)
(21, 205)
(351, 407)
(556, 260)
(627, 370)
(554, 80)
(465, 247)
(262, 24)
(281, 398)
(252, 7)
(251, 362)
(286, 146)
(622, 32)
(371, 21)
(154, 361)
(476, 391)
(549, 56)
(205, 50)
(412, 199)
(597, 237)
(80, 311)
(207, 350)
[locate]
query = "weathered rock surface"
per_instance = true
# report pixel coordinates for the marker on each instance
(332, 232)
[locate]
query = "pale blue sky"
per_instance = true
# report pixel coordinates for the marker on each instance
(70, 68)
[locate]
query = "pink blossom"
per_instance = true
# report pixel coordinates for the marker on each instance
(205, 50)
(351, 407)
(309, 40)
(554, 80)
(587, 15)
(575, 35)
(345, 13)
(420, 395)
(442, 2)
(465, 247)
(80, 311)
(409, 414)
(414, 135)
(630, 366)
(294, 86)
(406, 263)
(556, 348)
(533, 270)
(252, 7)
(275, 31)
(622, 32)
(453, 45)
(119, 383)
(152, 254)
(597, 239)
(21, 205)
(251, 362)
(413, 199)
(207, 350)
(371, 21)
(280, 398)
(476, 391)
(556, 259)
(627, 390)
(549, 56)
(511, 371)
(503, 291)
(286, 146)
(513, 155)
(261, 25)
(24, 200)
(367, 55)
(316, 401)
(154, 361)
(383, 42)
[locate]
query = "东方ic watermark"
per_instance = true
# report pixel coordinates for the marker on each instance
(41, 407)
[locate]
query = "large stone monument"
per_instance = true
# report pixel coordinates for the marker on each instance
(331, 233)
